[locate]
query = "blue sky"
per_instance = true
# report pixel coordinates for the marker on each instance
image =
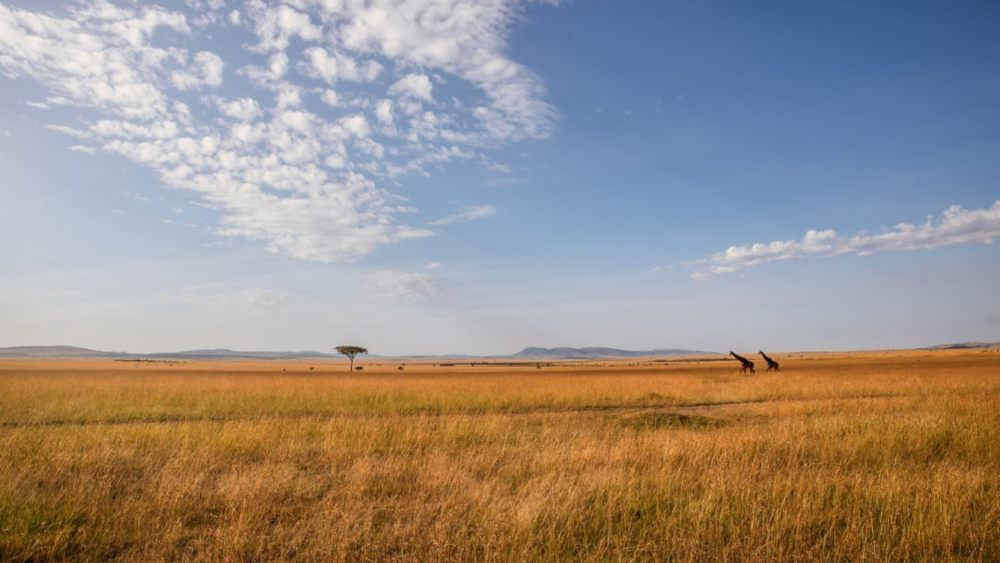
(434, 176)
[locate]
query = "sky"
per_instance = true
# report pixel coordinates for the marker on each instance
(478, 176)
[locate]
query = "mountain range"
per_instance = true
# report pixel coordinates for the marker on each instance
(565, 353)
(205, 354)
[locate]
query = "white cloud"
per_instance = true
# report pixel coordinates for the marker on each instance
(468, 214)
(65, 130)
(166, 129)
(99, 56)
(330, 67)
(288, 97)
(414, 86)
(309, 185)
(207, 71)
(955, 225)
(466, 40)
(244, 109)
(275, 25)
(391, 285)
(330, 98)
(383, 111)
(432, 265)
(357, 125)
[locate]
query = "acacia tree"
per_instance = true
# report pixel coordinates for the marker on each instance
(350, 352)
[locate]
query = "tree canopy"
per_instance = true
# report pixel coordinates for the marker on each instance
(350, 352)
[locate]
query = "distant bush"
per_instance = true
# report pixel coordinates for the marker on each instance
(359, 368)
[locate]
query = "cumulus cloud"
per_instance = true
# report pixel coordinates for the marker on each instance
(330, 67)
(312, 180)
(205, 70)
(468, 214)
(98, 56)
(462, 38)
(276, 25)
(244, 109)
(956, 225)
(414, 86)
(391, 285)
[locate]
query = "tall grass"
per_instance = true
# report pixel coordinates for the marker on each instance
(878, 457)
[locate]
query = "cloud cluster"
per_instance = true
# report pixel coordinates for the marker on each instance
(955, 226)
(390, 285)
(206, 70)
(298, 148)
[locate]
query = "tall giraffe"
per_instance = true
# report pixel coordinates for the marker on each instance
(747, 364)
(771, 363)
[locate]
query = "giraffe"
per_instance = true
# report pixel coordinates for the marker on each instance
(747, 364)
(771, 363)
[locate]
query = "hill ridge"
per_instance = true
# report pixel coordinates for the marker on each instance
(564, 352)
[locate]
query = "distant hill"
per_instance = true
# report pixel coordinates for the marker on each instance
(964, 346)
(225, 353)
(590, 353)
(56, 352)
(208, 354)
(565, 353)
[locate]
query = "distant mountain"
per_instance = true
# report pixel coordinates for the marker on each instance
(591, 353)
(965, 346)
(56, 352)
(208, 354)
(227, 354)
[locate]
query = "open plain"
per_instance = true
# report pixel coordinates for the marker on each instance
(863, 456)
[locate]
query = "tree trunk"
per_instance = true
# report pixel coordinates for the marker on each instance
(351, 367)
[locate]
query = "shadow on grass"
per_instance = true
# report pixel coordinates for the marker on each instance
(658, 420)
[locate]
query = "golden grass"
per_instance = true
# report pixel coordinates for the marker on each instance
(879, 456)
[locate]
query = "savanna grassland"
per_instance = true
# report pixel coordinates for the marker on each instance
(874, 456)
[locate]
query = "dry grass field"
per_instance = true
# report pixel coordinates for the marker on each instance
(868, 456)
